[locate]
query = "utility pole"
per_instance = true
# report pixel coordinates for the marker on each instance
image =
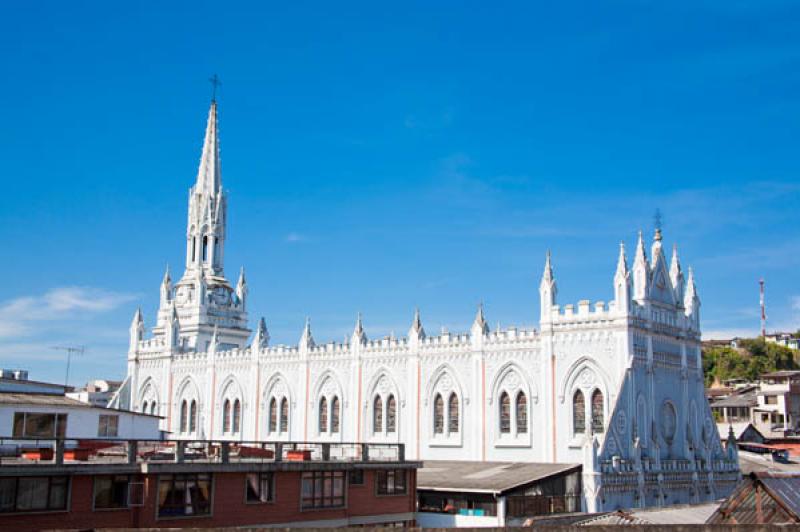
(70, 349)
(763, 309)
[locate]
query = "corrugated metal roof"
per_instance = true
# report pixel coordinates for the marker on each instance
(487, 477)
(785, 487)
(40, 399)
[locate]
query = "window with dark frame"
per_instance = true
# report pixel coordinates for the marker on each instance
(438, 414)
(323, 489)
(598, 424)
(184, 495)
(505, 413)
(39, 425)
(356, 477)
(323, 415)
(111, 491)
(391, 415)
(34, 494)
(260, 488)
(391, 482)
(377, 415)
(237, 417)
(522, 413)
(284, 415)
(335, 415)
(108, 426)
(226, 416)
(273, 415)
(452, 414)
(578, 413)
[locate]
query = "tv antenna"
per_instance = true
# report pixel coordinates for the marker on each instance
(71, 350)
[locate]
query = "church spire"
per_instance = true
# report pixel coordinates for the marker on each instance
(641, 272)
(676, 275)
(209, 178)
(417, 332)
(547, 290)
(479, 325)
(359, 336)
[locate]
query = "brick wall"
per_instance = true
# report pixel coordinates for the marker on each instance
(228, 508)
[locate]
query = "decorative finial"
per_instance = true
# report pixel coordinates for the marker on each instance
(657, 220)
(215, 82)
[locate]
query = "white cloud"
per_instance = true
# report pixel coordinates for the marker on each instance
(18, 316)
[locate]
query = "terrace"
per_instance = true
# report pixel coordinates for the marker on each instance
(28, 453)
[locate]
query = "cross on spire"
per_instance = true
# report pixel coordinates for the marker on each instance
(657, 219)
(215, 82)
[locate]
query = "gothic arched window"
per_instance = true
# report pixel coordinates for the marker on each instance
(323, 415)
(452, 414)
(578, 413)
(237, 416)
(226, 416)
(284, 415)
(273, 415)
(153, 406)
(193, 416)
(391, 414)
(505, 413)
(184, 415)
(438, 415)
(144, 407)
(522, 413)
(597, 412)
(377, 415)
(335, 415)
(205, 248)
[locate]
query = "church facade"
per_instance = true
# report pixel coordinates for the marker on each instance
(616, 386)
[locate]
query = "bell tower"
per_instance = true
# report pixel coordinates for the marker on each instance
(203, 299)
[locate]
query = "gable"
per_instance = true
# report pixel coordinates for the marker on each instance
(661, 288)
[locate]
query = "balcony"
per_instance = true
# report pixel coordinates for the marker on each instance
(23, 452)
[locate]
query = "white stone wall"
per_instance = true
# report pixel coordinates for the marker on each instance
(640, 352)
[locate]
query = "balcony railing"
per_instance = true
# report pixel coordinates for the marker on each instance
(29, 451)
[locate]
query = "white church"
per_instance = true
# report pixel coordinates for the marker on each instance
(616, 386)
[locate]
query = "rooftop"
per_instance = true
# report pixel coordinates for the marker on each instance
(484, 477)
(745, 399)
(53, 400)
(781, 373)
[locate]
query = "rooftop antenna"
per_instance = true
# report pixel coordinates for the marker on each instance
(71, 350)
(763, 309)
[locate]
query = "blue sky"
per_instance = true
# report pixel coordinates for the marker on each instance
(381, 157)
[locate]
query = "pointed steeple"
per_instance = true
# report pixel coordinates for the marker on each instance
(359, 337)
(306, 340)
(547, 290)
(691, 302)
(212, 346)
(641, 272)
(241, 288)
(209, 178)
(166, 287)
(261, 338)
(417, 332)
(137, 329)
(676, 275)
(622, 261)
(622, 282)
(479, 325)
